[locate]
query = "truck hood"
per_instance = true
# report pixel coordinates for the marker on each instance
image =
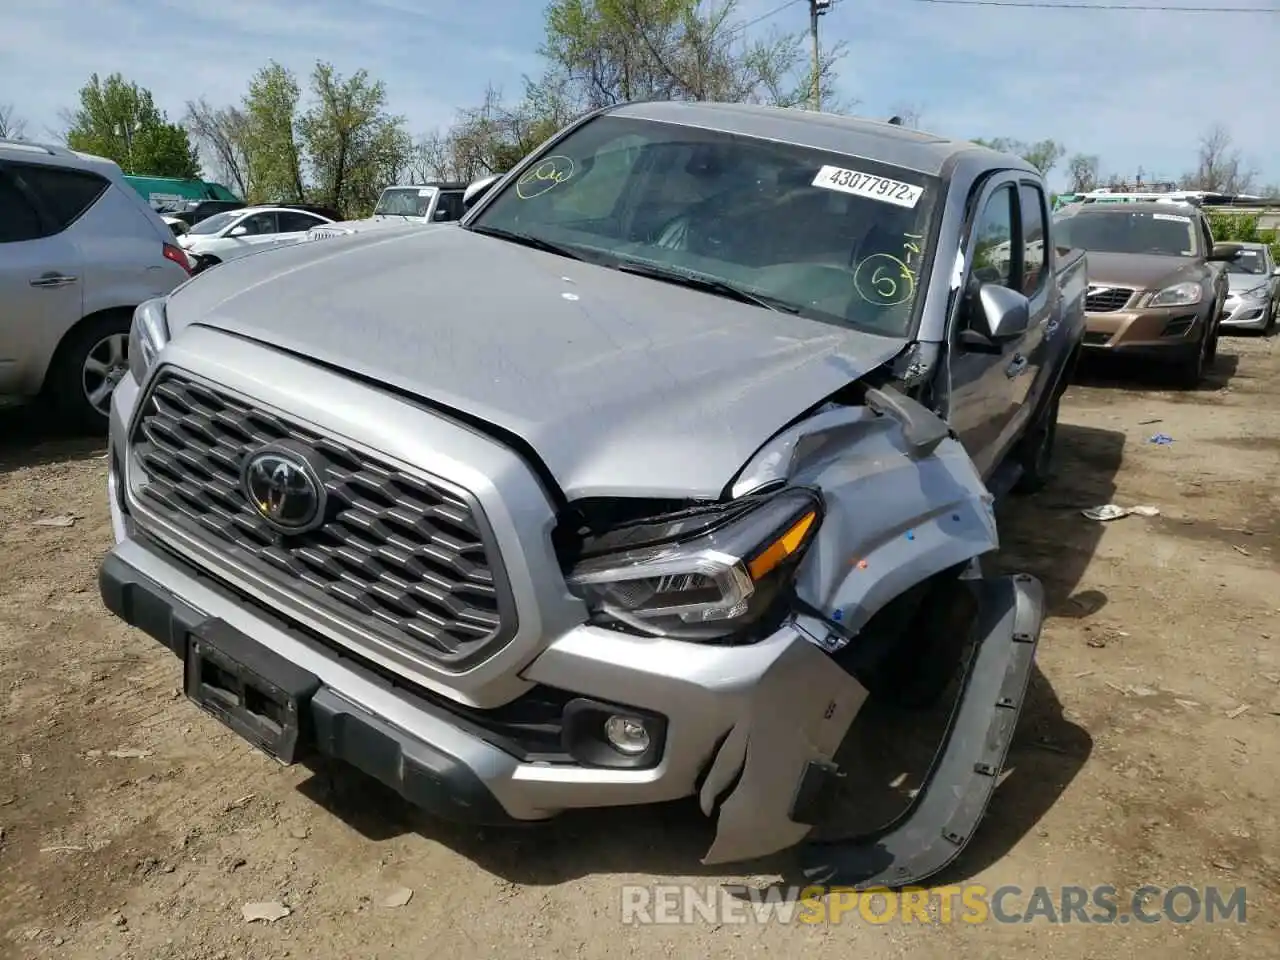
(622, 385)
(1142, 271)
(368, 223)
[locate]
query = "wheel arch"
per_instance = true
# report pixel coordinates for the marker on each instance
(68, 338)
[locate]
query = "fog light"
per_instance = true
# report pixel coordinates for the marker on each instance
(627, 735)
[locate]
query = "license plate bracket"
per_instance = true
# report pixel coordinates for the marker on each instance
(251, 689)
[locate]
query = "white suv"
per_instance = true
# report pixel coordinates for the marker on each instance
(236, 233)
(79, 249)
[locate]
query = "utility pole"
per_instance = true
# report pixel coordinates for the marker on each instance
(817, 8)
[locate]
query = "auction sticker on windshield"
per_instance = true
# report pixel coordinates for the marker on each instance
(1172, 217)
(869, 186)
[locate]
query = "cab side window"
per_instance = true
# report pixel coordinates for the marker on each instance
(451, 202)
(1031, 201)
(993, 258)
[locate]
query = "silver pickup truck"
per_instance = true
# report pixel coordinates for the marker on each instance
(691, 450)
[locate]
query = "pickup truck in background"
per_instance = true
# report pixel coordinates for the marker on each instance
(694, 453)
(437, 202)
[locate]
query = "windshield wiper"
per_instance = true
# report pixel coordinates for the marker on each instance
(695, 281)
(537, 243)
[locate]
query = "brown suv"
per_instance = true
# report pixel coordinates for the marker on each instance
(1155, 289)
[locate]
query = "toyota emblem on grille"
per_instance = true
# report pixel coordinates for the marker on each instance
(283, 485)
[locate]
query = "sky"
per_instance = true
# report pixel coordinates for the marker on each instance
(1136, 88)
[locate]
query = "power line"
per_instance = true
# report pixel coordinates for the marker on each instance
(1041, 5)
(765, 16)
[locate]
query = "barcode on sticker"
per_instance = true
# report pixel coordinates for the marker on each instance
(869, 186)
(1170, 216)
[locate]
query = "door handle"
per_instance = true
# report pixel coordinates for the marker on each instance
(52, 280)
(1016, 365)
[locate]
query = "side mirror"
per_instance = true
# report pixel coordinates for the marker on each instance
(239, 231)
(996, 316)
(1225, 252)
(478, 189)
(1276, 272)
(441, 214)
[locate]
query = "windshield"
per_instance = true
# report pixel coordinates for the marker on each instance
(404, 202)
(1248, 261)
(828, 236)
(1129, 231)
(215, 223)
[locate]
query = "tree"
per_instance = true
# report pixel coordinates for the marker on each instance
(1082, 169)
(602, 52)
(222, 132)
(1043, 154)
(119, 120)
(1219, 167)
(354, 146)
(273, 157)
(12, 127)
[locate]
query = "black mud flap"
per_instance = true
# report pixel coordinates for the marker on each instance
(933, 831)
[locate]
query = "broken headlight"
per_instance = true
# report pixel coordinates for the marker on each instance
(716, 574)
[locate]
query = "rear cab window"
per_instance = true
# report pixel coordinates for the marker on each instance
(1034, 239)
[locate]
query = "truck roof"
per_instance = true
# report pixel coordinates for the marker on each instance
(925, 153)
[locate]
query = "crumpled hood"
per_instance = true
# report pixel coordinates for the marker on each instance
(1142, 271)
(623, 385)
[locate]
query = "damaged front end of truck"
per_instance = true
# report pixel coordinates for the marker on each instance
(873, 519)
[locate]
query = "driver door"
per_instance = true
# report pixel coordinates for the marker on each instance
(981, 378)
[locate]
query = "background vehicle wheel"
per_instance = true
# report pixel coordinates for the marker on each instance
(204, 263)
(1189, 373)
(85, 370)
(1036, 458)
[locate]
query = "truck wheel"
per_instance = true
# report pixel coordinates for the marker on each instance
(1036, 458)
(85, 370)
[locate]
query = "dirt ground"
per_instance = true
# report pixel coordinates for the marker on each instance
(1133, 763)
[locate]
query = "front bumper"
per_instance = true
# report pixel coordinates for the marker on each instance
(1242, 313)
(1165, 334)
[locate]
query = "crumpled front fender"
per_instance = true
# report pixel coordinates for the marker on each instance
(775, 762)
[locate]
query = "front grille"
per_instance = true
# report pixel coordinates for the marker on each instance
(1104, 301)
(402, 556)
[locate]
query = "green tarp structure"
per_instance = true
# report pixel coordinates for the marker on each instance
(173, 190)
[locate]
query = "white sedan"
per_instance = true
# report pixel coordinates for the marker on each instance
(236, 233)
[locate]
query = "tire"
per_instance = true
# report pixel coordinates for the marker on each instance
(1036, 457)
(88, 364)
(204, 263)
(1269, 327)
(1189, 373)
